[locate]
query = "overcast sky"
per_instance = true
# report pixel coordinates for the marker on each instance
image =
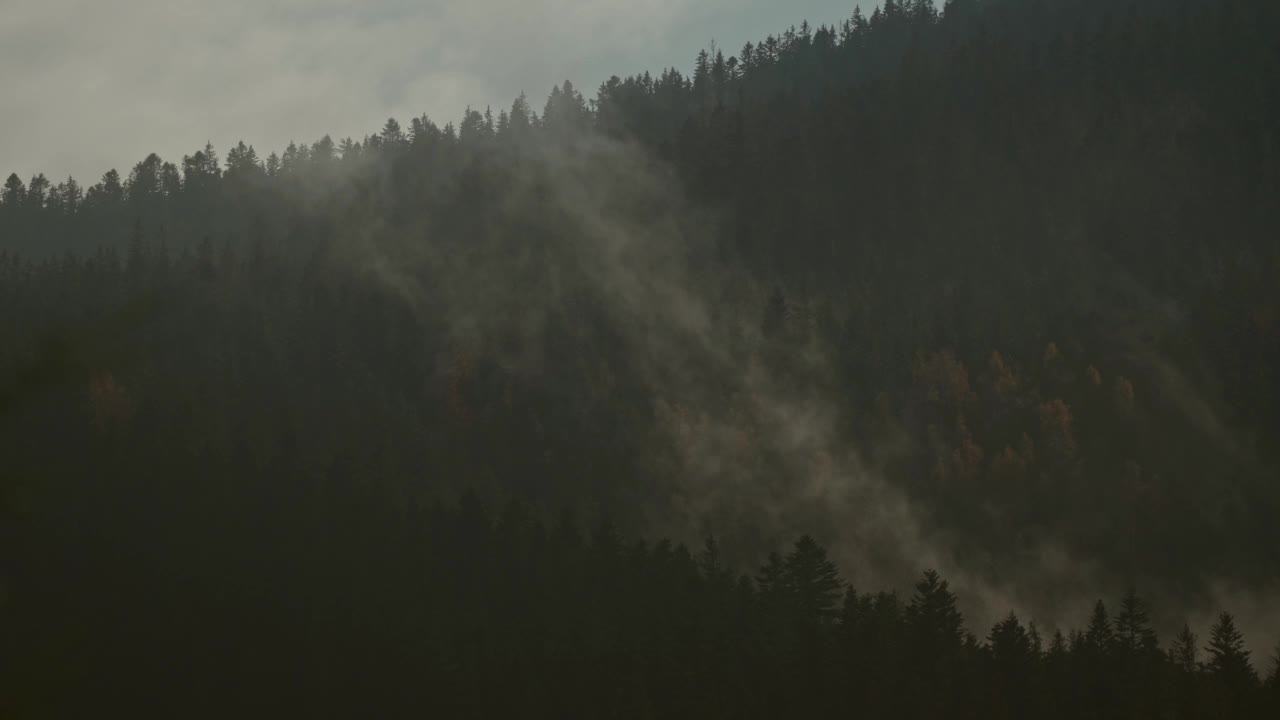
(87, 85)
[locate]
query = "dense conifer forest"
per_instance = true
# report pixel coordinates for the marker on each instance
(842, 374)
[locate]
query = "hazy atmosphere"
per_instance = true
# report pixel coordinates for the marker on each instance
(667, 359)
(165, 76)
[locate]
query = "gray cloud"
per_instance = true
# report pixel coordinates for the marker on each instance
(94, 84)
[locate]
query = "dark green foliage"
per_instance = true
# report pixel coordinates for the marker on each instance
(1228, 660)
(454, 609)
(1231, 681)
(15, 191)
(1020, 256)
(1184, 652)
(1099, 637)
(1133, 634)
(932, 613)
(812, 581)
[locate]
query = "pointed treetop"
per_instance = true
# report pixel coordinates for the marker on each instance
(1183, 653)
(1228, 658)
(932, 612)
(1133, 625)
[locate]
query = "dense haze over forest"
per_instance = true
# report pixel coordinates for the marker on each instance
(657, 398)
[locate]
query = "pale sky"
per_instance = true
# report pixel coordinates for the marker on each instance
(87, 85)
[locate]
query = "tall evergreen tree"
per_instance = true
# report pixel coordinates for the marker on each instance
(15, 191)
(813, 581)
(72, 195)
(1228, 659)
(110, 190)
(1183, 653)
(932, 613)
(1011, 645)
(144, 182)
(1099, 635)
(1133, 633)
(392, 135)
(37, 192)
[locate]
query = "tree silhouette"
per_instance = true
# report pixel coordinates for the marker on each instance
(812, 579)
(1183, 654)
(1133, 633)
(932, 613)
(15, 191)
(1228, 660)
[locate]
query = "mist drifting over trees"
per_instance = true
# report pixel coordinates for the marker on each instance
(843, 373)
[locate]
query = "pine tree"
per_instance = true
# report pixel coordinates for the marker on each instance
(323, 151)
(144, 180)
(201, 170)
(392, 135)
(1099, 636)
(72, 195)
(858, 24)
(1133, 632)
(110, 191)
(932, 613)
(471, 129)
(1228, 659)
(1011, 646)
(37, 192)
(1183, 653)
(349, 150)
(242, 161)
(521, 119)
(811, 578)
(290, 160)
(892, 11)
(15, 192)
(1057, 646)
(53, 201)
(702, 75)
(923, 11)
(170, 180)
(566, 112)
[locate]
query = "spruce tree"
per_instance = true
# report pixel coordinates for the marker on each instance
(1228, 659)
(1183, 653)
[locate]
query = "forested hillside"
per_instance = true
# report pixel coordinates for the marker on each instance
(991, 290)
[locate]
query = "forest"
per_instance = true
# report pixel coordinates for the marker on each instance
(922, 365)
